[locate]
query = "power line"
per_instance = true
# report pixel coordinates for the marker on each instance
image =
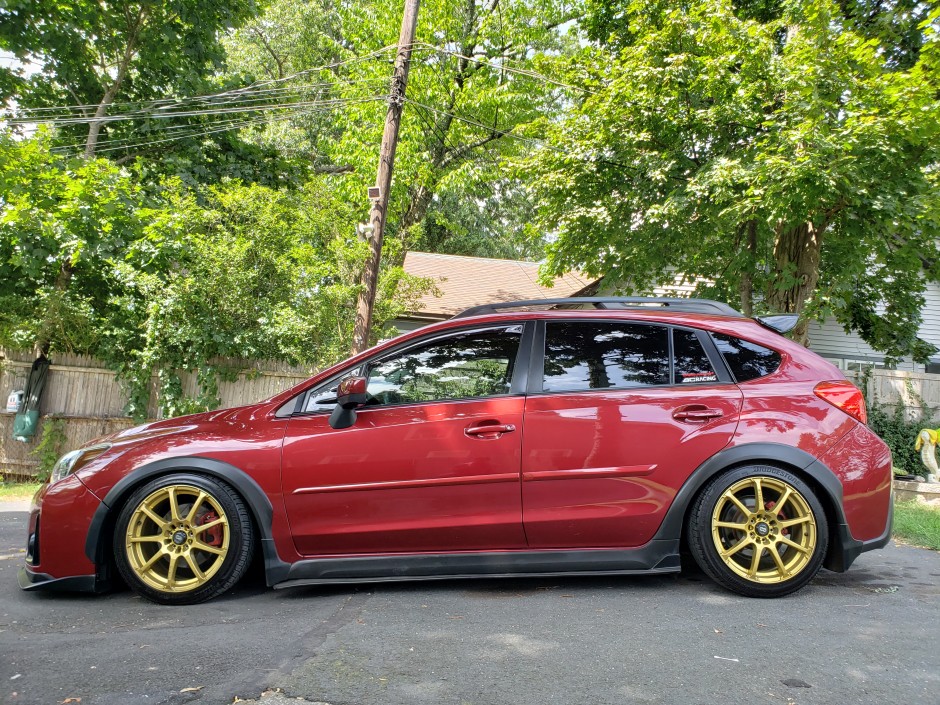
(488, 128)
(128, 144)
(241, 99)
(505, 67)
(258, 107)
(286, 106)
(250, 89)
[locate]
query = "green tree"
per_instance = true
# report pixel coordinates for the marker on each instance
(784, 161)
(470, 93)
(92, 54)
(256, 273)
(63, 222)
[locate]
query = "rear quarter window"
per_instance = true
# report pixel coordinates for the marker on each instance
(745, 359)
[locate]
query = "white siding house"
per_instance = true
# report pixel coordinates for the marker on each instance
(849, 352)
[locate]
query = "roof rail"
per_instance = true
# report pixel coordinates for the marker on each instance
(614, 302)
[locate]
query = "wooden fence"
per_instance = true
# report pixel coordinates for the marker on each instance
(917, 392)
(90, 400)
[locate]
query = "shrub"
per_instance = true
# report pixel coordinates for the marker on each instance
(900, 434)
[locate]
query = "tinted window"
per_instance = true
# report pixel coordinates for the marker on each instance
(472, 364)
(692, 365)
(745, 359)
(589, 355)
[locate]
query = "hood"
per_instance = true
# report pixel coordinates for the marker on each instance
(178, 424)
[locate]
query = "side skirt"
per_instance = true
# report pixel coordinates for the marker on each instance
(660, 556)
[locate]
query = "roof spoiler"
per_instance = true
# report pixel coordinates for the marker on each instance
(780, 323)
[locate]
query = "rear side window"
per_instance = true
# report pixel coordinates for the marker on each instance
(692, 364)
(746, 360)
(581, 355)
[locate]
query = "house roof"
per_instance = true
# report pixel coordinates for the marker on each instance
(471, 281)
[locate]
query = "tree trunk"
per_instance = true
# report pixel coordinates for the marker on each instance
(747, 240)
(796, 256)
(53, 312)
(130, 50)
(417, 207)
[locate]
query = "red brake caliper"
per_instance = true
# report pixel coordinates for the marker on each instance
(213, 536)
(781, 516)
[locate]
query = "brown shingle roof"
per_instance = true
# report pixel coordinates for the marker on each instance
(471, 281)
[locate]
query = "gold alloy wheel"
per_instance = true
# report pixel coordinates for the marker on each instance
(177, 538)
(764, 530)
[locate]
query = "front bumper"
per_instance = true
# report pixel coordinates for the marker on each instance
(58, 523)
(31, 580)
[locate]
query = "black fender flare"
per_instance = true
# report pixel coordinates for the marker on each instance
(843, 548)
(258, 504)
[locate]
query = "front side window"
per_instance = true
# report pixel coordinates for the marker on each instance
(582, 355)
(323, 398)
(467, 365)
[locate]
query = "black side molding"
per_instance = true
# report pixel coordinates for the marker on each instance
(654, 557)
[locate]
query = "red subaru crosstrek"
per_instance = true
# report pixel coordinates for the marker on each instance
(498, 443)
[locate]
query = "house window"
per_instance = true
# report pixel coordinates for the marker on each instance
(863, 365)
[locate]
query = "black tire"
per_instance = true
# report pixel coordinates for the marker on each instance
(187, 556)
(735, 542)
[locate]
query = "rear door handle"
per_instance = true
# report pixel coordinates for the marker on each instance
(696, 413)
(496, 429)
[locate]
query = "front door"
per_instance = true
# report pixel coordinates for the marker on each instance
(615, 427)
(431, 463)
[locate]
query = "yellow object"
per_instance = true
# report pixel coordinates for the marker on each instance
(764, 530)
(926, 443)
(166, 543)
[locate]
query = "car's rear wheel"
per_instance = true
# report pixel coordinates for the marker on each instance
(759, 531)
(183, 539)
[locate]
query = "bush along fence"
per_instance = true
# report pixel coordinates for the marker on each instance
(900, 405)
(84, 400)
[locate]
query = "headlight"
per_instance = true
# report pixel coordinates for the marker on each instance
(70, 462)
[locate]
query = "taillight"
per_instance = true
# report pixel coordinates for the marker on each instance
(845, 396)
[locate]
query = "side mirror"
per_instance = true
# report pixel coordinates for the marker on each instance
(350, 394)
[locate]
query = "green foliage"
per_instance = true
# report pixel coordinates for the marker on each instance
(93, 54)
(50, 447)
(776, 159)
(166, 280)
(900, 433)
(257, 274)
(17, 491)
(63, 223)
(450, 192)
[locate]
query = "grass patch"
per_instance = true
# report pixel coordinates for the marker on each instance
(917, 524)
(11, 491)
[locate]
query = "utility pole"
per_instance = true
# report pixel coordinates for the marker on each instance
(383, 182)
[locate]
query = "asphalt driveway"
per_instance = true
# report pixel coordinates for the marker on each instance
(871, 635)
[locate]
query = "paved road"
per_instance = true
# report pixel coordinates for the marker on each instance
(871, 635)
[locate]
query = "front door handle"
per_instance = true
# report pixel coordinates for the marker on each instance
(696, 413)
(491, 429)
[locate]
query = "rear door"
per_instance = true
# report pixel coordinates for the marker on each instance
(619, 414)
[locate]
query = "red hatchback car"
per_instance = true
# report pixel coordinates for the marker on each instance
(498, 443)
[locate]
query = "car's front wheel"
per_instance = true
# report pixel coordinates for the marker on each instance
(183, 539)
(759, 531)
